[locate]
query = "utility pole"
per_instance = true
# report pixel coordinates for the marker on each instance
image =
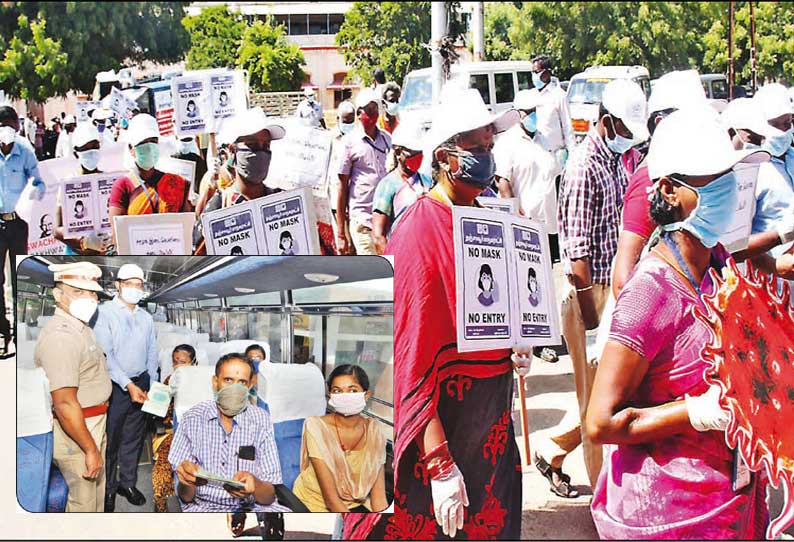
(478, 31)
(730, 51)
(752, 47)
(438, 29)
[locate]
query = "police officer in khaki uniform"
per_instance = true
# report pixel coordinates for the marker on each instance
(79, 382)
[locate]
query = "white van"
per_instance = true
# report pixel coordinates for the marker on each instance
(497, 83)
(586, 88)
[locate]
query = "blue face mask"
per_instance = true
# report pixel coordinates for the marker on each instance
(620, 144)
(537, 81)
(530, 122)
(779, 144)
(712, 217)
(476, 169)
(392, 108)
(345, 128)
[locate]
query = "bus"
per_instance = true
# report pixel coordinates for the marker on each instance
(310, 314)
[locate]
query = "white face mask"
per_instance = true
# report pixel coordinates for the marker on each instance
(131, 295)
(348, 404)
(7, 135)
(345, 128)
(83, 309)
(89, 160)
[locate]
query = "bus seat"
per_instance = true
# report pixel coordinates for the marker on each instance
(33, 333)
(202, 358)
(202, 338)
(41, 321)
(160, 327)
(22, 332)
(194, 384)
(276, 388)
(58, 492)
(34, 439)
(239, 346)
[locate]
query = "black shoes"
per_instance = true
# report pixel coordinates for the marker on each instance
(133, 495)
(110, 503)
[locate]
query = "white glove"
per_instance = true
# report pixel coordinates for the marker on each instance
(521, 362)
(98, 242)
(786, 230)
(705, 412)
(449, 498)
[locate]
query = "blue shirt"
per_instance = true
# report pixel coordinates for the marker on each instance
(129, 342)
(15, 171)
(774, 195)
(200, 438)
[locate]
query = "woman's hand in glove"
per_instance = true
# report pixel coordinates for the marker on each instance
(449, 500)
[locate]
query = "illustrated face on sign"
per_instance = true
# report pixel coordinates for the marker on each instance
(45, 225)
(79, 209)
(236, 251)
(285, 243)
(532, 280)
(191, 109)
(486, 284)
(224, 98)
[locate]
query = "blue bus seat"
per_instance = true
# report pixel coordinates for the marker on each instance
(58, 491)
(34, 458)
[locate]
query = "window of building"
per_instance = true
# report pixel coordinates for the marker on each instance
(298, 25)
(282, 20)
(318, 24)
(335, 21)
(342, 95)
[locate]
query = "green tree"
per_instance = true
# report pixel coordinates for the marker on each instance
(215, 38)
(273, 63)
(96, 36)
(499, 17)
(33, 65)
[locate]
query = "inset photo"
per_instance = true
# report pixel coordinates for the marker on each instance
(247, 384)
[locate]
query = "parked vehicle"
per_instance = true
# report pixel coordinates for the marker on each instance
(715, 85)
(586, 88)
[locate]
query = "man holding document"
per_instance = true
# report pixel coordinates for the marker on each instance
(224, 450)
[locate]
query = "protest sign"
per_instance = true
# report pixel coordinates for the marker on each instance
(289, 224)
(738, 235)
(78, 206)
(231, 231)
(155, 235)
(228, 96)
(300, 158)
(483, 284)
(40, 216)
(104, 184)
(504, 288)
(120, 104)
(508, 205)
(164, 110)
(192, 105)
(83, 108)
(184, 168)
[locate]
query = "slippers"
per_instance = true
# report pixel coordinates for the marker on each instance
(236, 523)
(563, 487)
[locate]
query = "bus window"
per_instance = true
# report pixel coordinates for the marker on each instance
(217, 327)
(236, 326)
(367, 290)
(266, 327)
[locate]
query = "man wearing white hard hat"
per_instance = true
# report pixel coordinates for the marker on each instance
(86, 141)
(126, 333)
(362, 164)
(402, 187)
(64, 146)
(99, 118)
(77, 373)
(650, 402)
(672, 91)
(450, 401)
(591, 197)
(310, 111)
(145, 189)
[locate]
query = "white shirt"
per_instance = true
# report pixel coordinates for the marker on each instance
(531, 171)
(555, 131)
(63, 148)
(333, 169)
(312, 112)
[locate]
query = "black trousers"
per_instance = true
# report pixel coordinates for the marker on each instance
(13, 242)
(125, 431)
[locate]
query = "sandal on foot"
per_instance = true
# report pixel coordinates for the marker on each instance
(236, 523)
(563, 488)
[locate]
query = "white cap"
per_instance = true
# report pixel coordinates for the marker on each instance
(527, 99)
(791, 96)
(82, 275)
(248, 123)
(142, 127)
(308, 91)
(463, 111)
(676, 90)
(746, 114)
(84, 133)
(129, 271)
(408, 134)
(344, 108)
(101, 114)
(774, 99)
(366, 95)
(692, 142)
(626, 100)
(69, 119)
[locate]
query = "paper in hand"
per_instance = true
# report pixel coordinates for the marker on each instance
(215, 478)
(158, 401)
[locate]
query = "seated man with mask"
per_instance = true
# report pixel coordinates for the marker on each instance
(230, 438)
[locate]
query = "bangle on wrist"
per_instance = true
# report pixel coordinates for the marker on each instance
(586, 288)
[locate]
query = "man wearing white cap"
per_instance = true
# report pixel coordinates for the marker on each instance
(310, 111)
(399, 189)
(86, 141)
(672, 91)
(126, 334)
(146, 190)
(451, 402)
(75, 366)
(64, 146)
(99, 118)
(362, 165)
(591, 199)
(669, 474)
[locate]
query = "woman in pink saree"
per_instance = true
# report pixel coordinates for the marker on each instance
(667, 472)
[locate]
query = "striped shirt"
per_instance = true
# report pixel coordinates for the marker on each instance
(200, 438)
(591, 200)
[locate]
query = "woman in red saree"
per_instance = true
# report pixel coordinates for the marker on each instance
(457, 466)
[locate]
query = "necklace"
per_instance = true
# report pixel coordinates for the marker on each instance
(342, 444)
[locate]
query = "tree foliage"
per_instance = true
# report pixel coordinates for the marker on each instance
(94, 36)
(215, 38)
(662, 36)
(273, 63)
